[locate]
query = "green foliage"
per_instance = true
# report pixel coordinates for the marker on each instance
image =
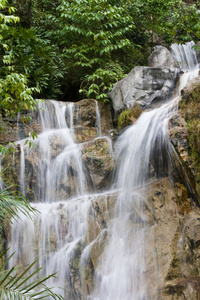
(129, 116)
(5, 20)
(67, 46)
(101, 81)
(37, 58)
(94, 32)
(32, 45)
(183, 24)
(15, 95)
(18, 287)
(11, 204)
(7, 150)
(194, 140)
(165, 22)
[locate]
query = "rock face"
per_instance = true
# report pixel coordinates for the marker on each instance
(99, 163)
(170, 208)
(17, 130)
(91, 119)
(147, 85)
(184, 131)
(91, 151)
(88, 117)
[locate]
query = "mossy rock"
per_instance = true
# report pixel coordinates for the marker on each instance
(190, 110)
(129, 116)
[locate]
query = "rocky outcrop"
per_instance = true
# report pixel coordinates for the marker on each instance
(99, 163)
(172, 242)
(184, 131)
(167, 241)
(147, 85)
(91, 118)
(17, 128)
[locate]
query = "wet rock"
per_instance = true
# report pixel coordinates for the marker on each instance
(99, 162)
(184, 131)
(172, 235)
(91, 118)
(83, 134)
(190, 88)
(85, 113)
(198, 51)
(98, 248)
(178, 135)
(144, 86)
(18, 129)
(11, 167)
(172, 243)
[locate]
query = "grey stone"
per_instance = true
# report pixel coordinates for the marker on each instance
(144, 85)
(161, 57)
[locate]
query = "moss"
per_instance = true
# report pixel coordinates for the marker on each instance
(190, 110)
(193, 128)
(129, 116)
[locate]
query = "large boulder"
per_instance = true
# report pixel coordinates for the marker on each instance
(144, 85)
(147, 85)
(161, 57)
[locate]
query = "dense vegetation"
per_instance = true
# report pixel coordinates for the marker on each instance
(79, 48)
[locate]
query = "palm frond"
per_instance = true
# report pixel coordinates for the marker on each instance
(17, 286)
(11, 203)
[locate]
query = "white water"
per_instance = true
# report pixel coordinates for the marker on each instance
(60, 231)
(61, 227)
(98, 120)
(185, 56)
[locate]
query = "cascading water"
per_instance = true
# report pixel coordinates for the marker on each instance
(122, 274)
(56, 173)
(60, 235)
(185, 56)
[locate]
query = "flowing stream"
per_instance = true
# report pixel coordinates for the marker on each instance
(60, 235)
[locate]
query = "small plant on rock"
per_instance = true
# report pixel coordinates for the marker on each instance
(129, 116)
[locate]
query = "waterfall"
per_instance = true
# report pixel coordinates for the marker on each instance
(122, 273)
(98, 120)
(185, 56)
(62, 236)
